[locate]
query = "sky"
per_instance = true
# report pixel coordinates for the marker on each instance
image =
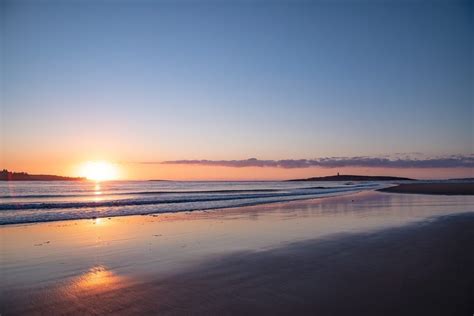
(158, 87)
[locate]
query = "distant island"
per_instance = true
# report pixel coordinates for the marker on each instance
(353, 178)
(6, 175)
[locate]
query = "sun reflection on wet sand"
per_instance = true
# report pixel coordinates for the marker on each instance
(98, 291)
(98, 221)
(98, 279)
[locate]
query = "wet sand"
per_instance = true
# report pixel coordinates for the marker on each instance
(362, 254)
(433, 188)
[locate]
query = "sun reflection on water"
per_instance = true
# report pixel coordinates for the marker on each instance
(97, 189)
(97, 192)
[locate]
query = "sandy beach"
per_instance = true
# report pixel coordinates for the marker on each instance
(367, 253)
(433, 188)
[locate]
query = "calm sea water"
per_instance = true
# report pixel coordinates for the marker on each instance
(37, 201)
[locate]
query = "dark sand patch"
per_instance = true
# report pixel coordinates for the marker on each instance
(433, 188)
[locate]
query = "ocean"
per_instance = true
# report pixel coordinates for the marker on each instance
(41, 201)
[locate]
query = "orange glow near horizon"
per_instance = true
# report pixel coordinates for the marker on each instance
(75, 167)
(99, 171)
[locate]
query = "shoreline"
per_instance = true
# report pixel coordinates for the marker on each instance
(448, 189)
(210, 208)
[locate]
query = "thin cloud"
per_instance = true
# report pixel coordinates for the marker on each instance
(454, 161)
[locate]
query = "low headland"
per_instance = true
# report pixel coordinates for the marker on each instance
(347, 177)
(6, 175)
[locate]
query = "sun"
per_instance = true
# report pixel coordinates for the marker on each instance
(99, 171)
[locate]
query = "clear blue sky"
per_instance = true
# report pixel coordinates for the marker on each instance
(153, 80)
